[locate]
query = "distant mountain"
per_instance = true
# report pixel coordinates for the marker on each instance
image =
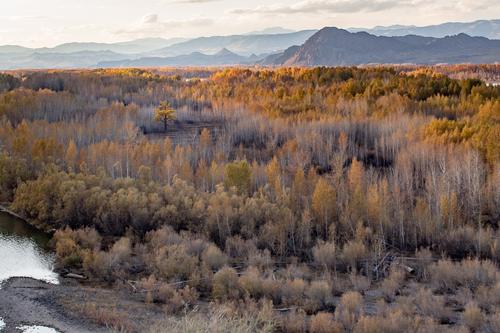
(14, 49)
(271, 31)
(447, 43)
(222, 58)
(338, 47)
(483, 28)
(131, 47)
(241, 44)
(57, 60)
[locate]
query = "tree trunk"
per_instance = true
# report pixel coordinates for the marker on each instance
(165, 124)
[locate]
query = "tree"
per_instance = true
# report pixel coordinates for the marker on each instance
(164, 113)
(239, 175)
(324, 201)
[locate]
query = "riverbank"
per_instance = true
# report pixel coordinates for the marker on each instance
(72, 308)
(4, 209)
(25, 301)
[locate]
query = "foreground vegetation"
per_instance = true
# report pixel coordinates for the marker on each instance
(306, 200)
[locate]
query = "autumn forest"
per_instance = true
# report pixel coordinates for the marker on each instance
(269, 200)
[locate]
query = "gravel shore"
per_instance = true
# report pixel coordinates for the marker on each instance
(25, 301)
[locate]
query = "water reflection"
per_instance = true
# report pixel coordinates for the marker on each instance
(37, 329)
(23, 251)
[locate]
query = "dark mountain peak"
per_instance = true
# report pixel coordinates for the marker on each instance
(337, 47)
(225, 52)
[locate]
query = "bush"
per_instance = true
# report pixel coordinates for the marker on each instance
(350, 309)
(391, 285)
(469, 273)
(319, 295)
(359, 283)
(294, 322)
(292, 292)
(225, 284)
(324, 254)
(353, 252)
(472, 316)
(324, 322)
(429, 305)
(173, 262)
(251, 283)
(214, 258)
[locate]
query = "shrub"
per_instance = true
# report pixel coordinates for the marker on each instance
(251, 283)
(488, 297)
(472, 316)
(294, 322)
(350, 309)
(424, 260)
(324, 322)
(324, 254)
(391, 285)
(431, 306)
(359, 283)
(396, 321)
(470, 273)
(353, 252)
(225, 284)
(173, 262)
(68, 251)
(319, 295)
(213, 257)
(292, 292)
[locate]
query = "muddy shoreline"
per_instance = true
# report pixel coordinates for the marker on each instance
(25, 301)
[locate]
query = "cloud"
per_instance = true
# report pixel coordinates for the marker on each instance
(328, 6)
(151, 18)
(152, 25)
(195, 1)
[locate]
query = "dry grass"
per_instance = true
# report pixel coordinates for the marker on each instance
(110, 318)
(324, 322)
(217, 321)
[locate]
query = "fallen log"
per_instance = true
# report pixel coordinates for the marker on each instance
(75, 276)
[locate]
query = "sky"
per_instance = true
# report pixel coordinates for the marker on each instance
(37, 23)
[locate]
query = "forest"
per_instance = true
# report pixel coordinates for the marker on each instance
(317, 200)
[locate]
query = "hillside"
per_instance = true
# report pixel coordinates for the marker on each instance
(241, 44)
(223, 57)
(338, 47)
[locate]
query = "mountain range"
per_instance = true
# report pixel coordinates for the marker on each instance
(482, 28)
(276, 46)
(338, 47)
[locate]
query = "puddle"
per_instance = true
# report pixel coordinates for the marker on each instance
(37, 329)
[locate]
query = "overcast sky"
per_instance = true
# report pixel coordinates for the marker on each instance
(51, 22)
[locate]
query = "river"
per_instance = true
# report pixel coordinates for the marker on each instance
(24, 251)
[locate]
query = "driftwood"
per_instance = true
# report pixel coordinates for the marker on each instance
(75, 276)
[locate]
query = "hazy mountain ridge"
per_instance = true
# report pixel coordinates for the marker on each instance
(222, 58)
(278, 46)
(338, 47)
(242, 44)
(481, 28)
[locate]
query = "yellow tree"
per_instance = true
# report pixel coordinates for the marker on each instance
(164, 113)
(324, 204)
(239, 175)
(71, 154)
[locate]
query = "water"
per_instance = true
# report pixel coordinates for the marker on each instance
(24, 251)
(37, 329)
